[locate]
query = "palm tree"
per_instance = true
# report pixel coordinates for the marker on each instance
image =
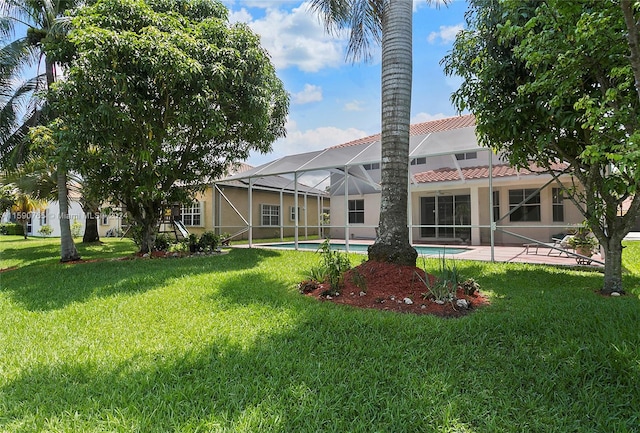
(23, 208)
(22, 105)
(388, 22)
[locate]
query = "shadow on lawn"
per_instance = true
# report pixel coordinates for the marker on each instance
(53, 286)
(332, 370)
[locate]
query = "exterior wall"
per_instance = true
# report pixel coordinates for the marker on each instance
(367, 230)
(542, 230)
(547, 227)
(221, 217)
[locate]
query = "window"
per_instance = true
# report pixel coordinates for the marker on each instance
(529, 211)
(373, 166)
(104, 219)
(191, 214)
(419, 161)
(356, 211)
(466, 155)
(557, 201)
(496, 206)
(43, 217)
(270, 215)
(292, 213)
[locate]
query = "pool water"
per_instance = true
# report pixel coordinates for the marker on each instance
(422, 250)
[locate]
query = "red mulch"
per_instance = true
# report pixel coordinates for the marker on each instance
(387, 285)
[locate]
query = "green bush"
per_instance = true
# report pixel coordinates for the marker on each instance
(45, 230)
(76, 228)
(332, 267)
(444, 286)
(162, 242)
(11, 229)
(208, 241)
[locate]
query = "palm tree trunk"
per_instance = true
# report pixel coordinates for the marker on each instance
(68, 250)
(91, 233)
(392, 244)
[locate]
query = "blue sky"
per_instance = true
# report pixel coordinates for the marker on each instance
(332, 99)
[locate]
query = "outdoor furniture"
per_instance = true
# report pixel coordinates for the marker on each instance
(561, 246)
(556, 247)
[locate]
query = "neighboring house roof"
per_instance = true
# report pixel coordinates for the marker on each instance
(480, 172)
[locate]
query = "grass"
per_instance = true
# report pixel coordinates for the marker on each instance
(226, 344)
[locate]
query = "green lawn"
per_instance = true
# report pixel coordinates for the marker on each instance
(226, 344)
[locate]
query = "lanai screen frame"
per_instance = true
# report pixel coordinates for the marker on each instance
(457, 141)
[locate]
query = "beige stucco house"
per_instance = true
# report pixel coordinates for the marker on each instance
(460, 192)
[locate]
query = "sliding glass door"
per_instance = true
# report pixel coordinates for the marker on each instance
(443, 213)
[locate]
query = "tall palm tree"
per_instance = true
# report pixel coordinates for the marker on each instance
(22, 105)
(388, 22)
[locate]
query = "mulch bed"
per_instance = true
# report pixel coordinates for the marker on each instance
(386, 286)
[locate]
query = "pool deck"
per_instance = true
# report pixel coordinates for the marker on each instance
(514, 254)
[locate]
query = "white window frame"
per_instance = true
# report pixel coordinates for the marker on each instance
(356, 212)
(557, 204)
(191, 211)
(272, 214)
(292, 216)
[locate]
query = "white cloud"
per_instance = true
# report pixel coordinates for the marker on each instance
(241, 16)
(310, 93)
(298, 141)
(354, 106)
(294, 38)
(445, 35)
(426, 117)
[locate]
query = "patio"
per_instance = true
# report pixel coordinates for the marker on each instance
(513, 254)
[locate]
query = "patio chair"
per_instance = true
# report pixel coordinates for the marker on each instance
(560, 246)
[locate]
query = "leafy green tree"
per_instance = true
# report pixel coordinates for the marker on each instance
(388, 22)
(557, 81)
(22, 106)
(161, 96)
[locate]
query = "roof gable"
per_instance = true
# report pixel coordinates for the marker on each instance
(439, 125)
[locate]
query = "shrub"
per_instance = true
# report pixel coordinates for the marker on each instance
(208, 241)
(470, 286)
(333, 265)
(443, 287)
(11, 229)
(162, 242)
(45, 230)
(76, 228)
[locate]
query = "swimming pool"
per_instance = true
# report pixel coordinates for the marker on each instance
(362, 248)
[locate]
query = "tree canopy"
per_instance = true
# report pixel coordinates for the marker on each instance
(553, 81)
(160, 97)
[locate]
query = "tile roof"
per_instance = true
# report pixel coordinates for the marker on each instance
(469, 173)
(423, 128)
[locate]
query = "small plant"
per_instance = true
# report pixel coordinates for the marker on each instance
(443, 287)
(470, 286)
(193, 242)
(308, 286)
(208, 241)
(162, 242)
(331, 269)
(583, 239)
(76, 228)
(179, 247)
(45, 230)
(358, 280)
(334, 264)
